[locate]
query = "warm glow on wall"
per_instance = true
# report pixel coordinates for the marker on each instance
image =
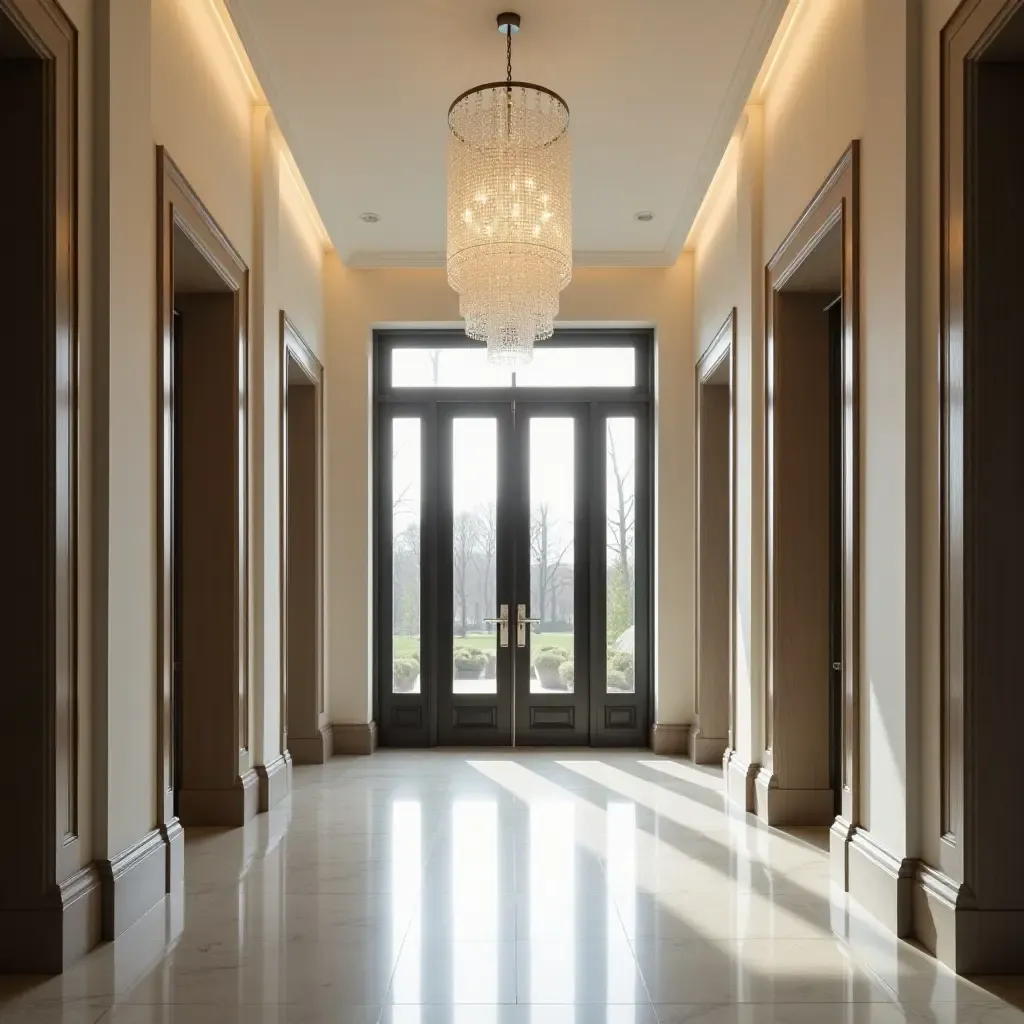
(296, 199)
(719, 199)
(798, 43)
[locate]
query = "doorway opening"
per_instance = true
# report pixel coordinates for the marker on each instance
(513, 541)
(809, 776)
(711, 734)
(50, 898)
(977, 848)
(305, 733)
(206, 771)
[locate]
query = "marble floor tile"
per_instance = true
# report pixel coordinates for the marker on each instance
(507, 887)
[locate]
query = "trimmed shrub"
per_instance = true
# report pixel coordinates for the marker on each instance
(567, 670)
(469, 656)
(617, 681)
(404, 673)
(622, 661)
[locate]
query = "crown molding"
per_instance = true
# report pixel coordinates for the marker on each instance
(729, 113)
(370, 260)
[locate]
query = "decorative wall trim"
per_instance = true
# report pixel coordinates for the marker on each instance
(134, 881)
(881, 882)
(275, 782)
(837, 201)
(947, 921)
(234, 806)
(777, 806)
(180, 207)
(353, 739)
(315, 750)
(739, 781)
(670, 740)
(173, 836)
(49, 938)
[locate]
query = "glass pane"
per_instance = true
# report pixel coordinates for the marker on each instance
(552, 553)
(465, 367)
(621, 541)
(555, 367)
(474, 555)
(406, 505)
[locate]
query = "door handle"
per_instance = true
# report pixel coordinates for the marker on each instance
(502, 624)
(522, 621)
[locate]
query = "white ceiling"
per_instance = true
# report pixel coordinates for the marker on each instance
(361, 89)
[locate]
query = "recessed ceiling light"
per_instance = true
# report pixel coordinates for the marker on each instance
(643, 216)
(369, 217)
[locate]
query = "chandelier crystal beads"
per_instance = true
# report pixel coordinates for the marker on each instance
(509, 211)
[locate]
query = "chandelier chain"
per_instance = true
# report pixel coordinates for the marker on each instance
(508, 52)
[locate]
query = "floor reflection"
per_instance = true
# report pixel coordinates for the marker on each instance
(506, 888)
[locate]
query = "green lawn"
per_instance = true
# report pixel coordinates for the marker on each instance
(404, 646)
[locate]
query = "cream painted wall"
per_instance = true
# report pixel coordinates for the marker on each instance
(165, 73)
(202, 113)
(716, 262)
(842, 74)
(359, 300)
(813, 107)
(124, 431)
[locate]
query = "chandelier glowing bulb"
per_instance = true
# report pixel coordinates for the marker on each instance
(509, 210)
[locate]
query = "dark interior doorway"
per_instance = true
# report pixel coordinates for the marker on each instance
(982, 700)
(808, 547)
(42, 928)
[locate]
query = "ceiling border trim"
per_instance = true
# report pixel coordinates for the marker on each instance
(399, 259)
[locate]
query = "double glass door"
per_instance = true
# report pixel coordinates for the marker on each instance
(512, 574)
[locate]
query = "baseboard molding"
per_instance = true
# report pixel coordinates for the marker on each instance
(839, 836)
(312, 749)
(173, 836)
(274, 783)
(670, 740)
(134, 881)
(881, 882)
(777, 806)
(234, 806)
(354, 739)
(707, 749)
(739, 780)
(49, 938)
(967, 939)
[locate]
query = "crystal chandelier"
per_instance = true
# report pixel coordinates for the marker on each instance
(509, 210)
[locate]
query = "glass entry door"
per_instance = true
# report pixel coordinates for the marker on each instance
(512, 553)
(475, 575)
(550, 600)
(512, 527)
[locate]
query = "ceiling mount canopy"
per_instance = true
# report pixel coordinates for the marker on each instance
(509, 209)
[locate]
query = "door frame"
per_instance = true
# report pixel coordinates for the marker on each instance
(950, 884)
(722, 347)
(419, 712)
(58, 914)
(178, 206)
(836, 202)
(313, 749)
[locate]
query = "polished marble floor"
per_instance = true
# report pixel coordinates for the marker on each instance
(506, 888)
